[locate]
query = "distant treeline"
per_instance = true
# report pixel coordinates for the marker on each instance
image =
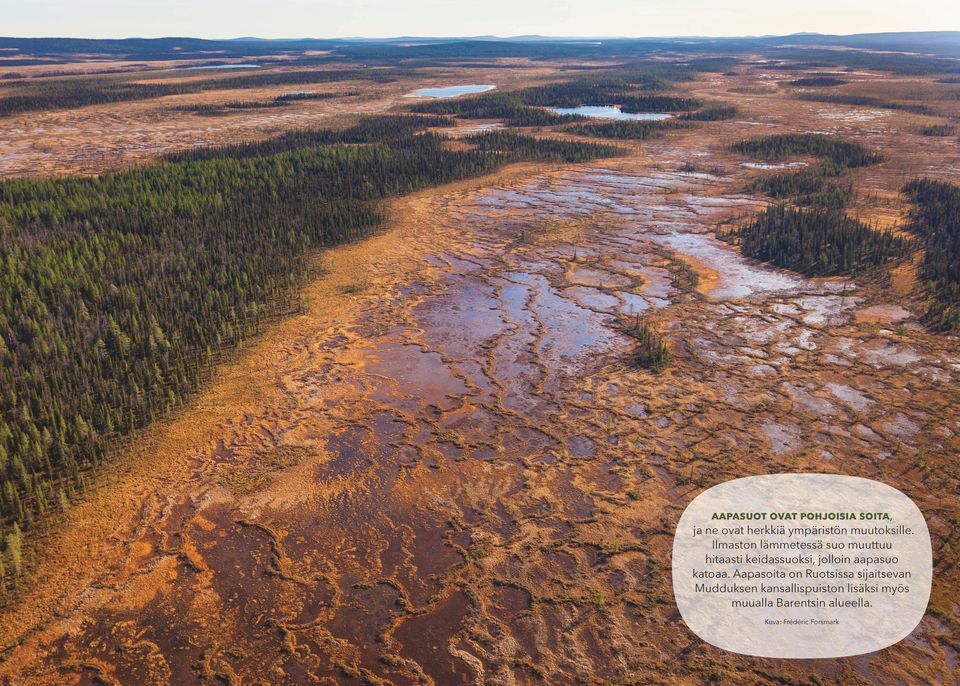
(507, 106)
(815, 242)
(524, 107)
(118, 291)
(626, 129)
(838, 151)
(818, 185)
(820, 240)
(657, 103)
(211, 109)
(214, 109)
(714, 112)
(35, 96)
(596, 90)
(897, 63)
(901, 53)
(818, 82)
(865, 101)
(935, 219)
(800, 66)
(621, 87)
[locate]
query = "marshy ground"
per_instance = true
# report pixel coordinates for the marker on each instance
(446, 470)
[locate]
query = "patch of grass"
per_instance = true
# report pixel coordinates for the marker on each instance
(355, 287)
(938, 130)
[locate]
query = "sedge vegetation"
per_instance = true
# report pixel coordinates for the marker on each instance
(938, 130)
(120, 290)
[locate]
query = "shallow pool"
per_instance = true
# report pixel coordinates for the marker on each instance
(450, 91)
(610, 112)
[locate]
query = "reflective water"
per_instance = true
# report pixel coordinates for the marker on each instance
(450, 91)
(610, 112)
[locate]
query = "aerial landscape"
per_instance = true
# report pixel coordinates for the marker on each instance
(396, 361)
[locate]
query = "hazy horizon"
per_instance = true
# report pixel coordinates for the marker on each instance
(478, 36)
(378, 19)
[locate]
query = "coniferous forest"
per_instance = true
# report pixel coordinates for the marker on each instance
(626, 129)
(26, 96)
(818, 185)
(118, 291)
(815, 237)
(935, 219)
(842, 153)
(823, 241)
(816, 242)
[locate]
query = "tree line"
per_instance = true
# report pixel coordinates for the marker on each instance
(714, 112)
(217, 109)
(818, 82)
(843, 153)
(819, 185)
(66, 93)
(935, 219)
(815, 242)
(865, 101)
(626, 129)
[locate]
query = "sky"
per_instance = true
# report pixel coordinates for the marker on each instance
(384, 18)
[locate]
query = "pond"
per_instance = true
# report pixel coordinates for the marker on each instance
(450, 91)
(610, 112)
